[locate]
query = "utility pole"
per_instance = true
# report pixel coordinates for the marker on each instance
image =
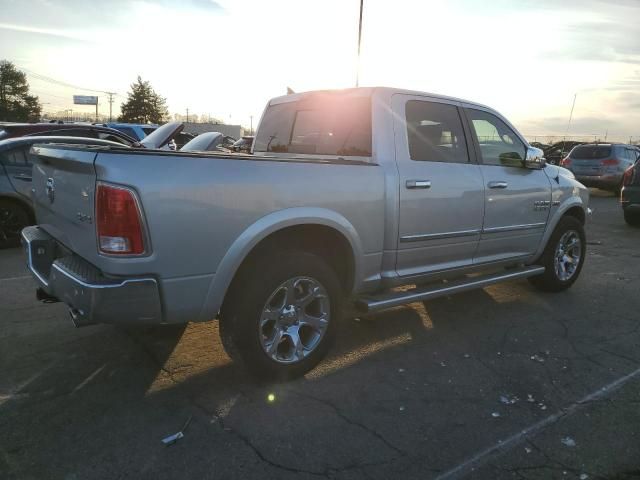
(568, 125)
(187, 115)
(251, 119)
(359, 40)
(111, 94)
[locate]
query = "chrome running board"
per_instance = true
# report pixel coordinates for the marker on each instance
(388, 299)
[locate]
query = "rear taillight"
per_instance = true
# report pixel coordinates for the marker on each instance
(609, 162)
(628, 177)
(118, 221)
(565, 162)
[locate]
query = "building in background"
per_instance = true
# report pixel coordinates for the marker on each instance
(235, 131)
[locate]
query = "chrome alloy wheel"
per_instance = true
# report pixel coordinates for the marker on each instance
(294, 319)
(567, 255)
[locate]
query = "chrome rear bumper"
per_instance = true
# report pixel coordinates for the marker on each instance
(91, 296)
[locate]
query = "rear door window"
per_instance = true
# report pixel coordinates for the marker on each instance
(435, 133)
(324, 125)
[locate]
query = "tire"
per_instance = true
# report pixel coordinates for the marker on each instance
(557, 278)
(258, 311)
(13, 218)
(632, 218)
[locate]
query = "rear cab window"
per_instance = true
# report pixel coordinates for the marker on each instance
(329, 125)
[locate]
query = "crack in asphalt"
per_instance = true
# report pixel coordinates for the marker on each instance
(632, 360)
(224, 428)
(350, 421)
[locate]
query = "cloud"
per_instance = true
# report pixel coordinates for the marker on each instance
(80, 15)
(44, 31)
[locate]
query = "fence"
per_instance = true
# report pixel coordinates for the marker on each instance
(551, 139)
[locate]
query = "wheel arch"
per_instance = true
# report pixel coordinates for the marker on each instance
(19, 200)
(574, 208)
(295, 227)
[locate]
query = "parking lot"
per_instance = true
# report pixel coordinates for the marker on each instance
(505, 382)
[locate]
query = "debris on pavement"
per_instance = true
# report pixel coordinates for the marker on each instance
(509, 399)
(530, 398)
(401, 370)
(584, 476)
(402, 408)
(495, 414)
(568, 442)
(171, 439)
(528, 450)
(537, 358)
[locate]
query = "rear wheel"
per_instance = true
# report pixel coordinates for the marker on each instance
(280, 317)
(13, 218)
(563, 256)
(632, 218)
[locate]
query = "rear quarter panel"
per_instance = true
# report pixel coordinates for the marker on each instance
(199, 210)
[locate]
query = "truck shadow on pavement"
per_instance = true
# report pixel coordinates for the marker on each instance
(394, 383)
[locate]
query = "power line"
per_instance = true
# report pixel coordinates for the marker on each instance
(45, 78)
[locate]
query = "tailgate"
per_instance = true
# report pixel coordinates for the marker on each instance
(64, 181)
(586, 167)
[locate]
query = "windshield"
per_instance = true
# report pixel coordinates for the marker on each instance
(323, 126)
(591, 152)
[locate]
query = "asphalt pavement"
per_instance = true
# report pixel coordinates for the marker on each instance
(505, 382)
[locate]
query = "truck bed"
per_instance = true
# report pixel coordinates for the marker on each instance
(197, 206)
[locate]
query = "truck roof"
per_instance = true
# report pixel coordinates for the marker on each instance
(367, 92)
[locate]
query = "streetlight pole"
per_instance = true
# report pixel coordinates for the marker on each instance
(359, 41)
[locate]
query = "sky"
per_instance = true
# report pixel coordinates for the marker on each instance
(226, 58)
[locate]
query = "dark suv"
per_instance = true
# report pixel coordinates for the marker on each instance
(630, 195)
(16, 211)
(601, 165)
(12, 130)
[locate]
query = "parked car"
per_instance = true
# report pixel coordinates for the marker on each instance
(559, 150)
(13, 130)
(630, 194)
(600, 165)
(140, 131)
(134, 130)
(243, 145)
(347, 195)
(205, 142)
(16, 162)
(182, 138)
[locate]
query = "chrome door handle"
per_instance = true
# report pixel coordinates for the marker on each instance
(498, 184)
(418, 184)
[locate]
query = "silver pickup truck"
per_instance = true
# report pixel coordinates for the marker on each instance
(347, 194)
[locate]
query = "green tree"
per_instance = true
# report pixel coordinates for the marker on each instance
(16, 104)
(143, 105)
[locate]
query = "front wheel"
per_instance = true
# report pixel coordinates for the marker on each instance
(563, 257)
(280, 316)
